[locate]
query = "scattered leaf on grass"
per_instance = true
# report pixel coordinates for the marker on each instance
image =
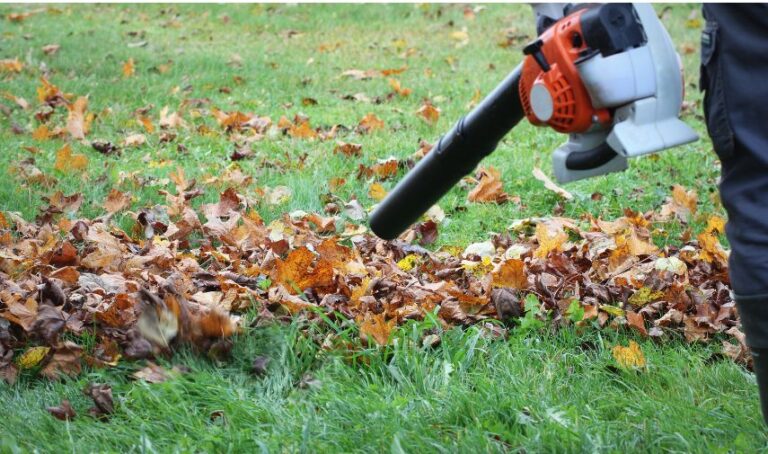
(129, 68)
(629, 357)
(541, 176)
(428, 112)
(101, 394)
(370, 123)
(63, 411)
(490, 188)
(67, 161)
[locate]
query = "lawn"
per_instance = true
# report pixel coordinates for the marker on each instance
(528, 390)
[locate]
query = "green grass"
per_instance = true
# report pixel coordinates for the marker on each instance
(532, 392)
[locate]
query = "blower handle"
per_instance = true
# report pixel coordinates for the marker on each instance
(456, 154)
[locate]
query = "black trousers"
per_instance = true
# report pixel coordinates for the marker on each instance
(734, 77)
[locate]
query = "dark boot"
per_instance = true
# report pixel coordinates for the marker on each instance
(760, 358)
(754, 321)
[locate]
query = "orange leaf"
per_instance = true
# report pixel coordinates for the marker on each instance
(510, 273)
(147, 123)
(129, 68)
(371, 123)
(298, 274)
(376, 327)
(41, 133)
(429, 112)
(399, 89)
(67, 161)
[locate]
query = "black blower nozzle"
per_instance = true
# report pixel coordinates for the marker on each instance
(456, 154)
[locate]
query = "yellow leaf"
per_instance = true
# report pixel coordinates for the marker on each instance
(715, 224)
(613, 310)
(11, 66)
(66, 160)
(377, 192)
(408, 262)
(129, 68)
(644, 296)
(629, 357)
(32, 357)
(547, 241)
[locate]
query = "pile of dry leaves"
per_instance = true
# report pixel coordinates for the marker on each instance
(179, 277)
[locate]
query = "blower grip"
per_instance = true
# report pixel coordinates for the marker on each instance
(456, 154)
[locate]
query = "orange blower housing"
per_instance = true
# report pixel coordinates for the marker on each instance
(551, 91)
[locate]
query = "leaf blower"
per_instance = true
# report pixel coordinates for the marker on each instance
(607, 75)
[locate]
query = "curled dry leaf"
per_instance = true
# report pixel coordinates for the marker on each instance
(541, 176)
(101, 394)
(370, 123)
(63, 411)
(489, 187)
(77, 122)
(134, 140)
(348, 149)
(51, 49)
(428, 112)
(117, 201)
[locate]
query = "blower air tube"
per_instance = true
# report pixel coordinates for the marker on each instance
(456, 154)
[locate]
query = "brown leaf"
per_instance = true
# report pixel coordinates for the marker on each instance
(152, 373)
(63, 411)
(101, 394)
(64, 362)
(489, 187)
(636, 321)
(64, 255)
(134, 140)
(51, 49)
(117, 201)
(77, 124)
(348, 149)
